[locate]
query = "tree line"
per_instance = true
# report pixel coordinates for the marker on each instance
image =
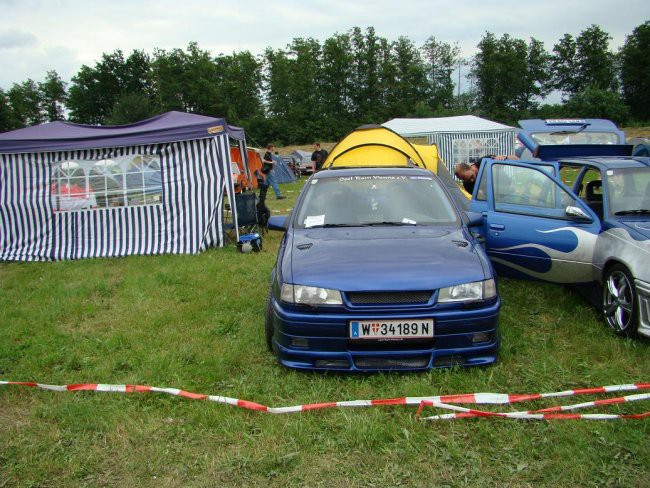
(320, 91)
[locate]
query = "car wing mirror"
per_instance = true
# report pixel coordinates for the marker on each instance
(473, 219)
(278, 222)
(576, 213)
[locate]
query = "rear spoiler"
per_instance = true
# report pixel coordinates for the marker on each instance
(551, 152)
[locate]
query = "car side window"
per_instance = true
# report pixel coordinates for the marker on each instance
(528, 191)
(481, 193)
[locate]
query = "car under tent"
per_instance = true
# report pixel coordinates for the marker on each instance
(70, 191)
(464, 138)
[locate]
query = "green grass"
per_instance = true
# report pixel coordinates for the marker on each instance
(195, 322)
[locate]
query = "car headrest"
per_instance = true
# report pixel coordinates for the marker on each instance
(590, 190)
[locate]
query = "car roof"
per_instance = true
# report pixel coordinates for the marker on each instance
(609, 163)
(370, 171)
(591, 125)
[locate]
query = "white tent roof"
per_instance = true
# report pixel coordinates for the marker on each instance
(461, 123)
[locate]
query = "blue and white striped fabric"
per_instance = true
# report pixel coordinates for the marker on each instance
(195, 178)
(445, 142)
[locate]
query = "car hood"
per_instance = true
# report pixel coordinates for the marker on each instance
(383, 259)
(639, 228)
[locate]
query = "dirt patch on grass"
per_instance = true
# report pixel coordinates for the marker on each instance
(632, 132)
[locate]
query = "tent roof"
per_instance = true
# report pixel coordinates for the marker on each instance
(461, 123)
(66, 136)
(375, 145)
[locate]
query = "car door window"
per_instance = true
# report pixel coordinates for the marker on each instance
(528, 191)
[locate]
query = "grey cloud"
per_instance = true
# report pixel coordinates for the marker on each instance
(12, 38)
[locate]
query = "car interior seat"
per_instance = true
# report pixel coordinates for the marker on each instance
(594, 196)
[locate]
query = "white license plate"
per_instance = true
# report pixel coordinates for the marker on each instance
(391, 329)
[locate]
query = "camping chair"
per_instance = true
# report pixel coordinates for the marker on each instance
(247, 223)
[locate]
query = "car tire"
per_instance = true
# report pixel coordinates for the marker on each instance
(620, 304)
(268, 320)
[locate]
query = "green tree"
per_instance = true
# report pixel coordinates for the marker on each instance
(336, 86)
(53, 96)
(168, 79)
(129, 108)
(597, 103)
(510, 76)
(584, 62)
(95, 90)
(366, 93)
(440, 60)
(635, 72)
(408, 88)
(25, 101)
(7, 119)
(238, 79)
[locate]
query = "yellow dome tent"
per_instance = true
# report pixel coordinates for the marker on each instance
(377, 146)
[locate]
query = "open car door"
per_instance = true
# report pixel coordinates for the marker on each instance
(534, 226)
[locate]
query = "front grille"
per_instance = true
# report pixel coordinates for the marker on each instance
(391, 363)
(389, 297)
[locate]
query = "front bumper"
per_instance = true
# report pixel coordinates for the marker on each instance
(319, 341)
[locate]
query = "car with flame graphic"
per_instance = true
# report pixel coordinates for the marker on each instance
(582, 221)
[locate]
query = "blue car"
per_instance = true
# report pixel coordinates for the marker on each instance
(378, 270)
(592, 233)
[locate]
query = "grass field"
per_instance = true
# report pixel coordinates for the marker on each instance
(195, 322)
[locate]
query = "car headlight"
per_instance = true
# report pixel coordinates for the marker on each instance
(467, 292)
(309, 295)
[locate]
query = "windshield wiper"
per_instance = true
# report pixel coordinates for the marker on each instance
(389, 223)
(329, 226)
(632, 212)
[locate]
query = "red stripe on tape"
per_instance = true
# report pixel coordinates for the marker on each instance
(523, 398)
(636, 415)
(251, 405)
(589, 391)
(609, 401)
(82, 387)
(462, 398)
(193, 396)
(389, 401)
(316, 406)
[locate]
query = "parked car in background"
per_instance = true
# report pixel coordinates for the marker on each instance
(303, 162)
(573, 137)
(378, 270)
(578, 221)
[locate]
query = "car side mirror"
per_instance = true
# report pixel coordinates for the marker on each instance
(278, 222)
(473, 219)
(576, 213)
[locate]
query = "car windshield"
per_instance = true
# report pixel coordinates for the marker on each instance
(628, 190)
(367, 200)
(574, 136)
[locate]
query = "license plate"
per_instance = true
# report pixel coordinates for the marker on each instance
(391, 329)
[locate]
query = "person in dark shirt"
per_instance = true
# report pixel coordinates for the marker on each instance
(268, 168)
(468, 172)
(318, 157)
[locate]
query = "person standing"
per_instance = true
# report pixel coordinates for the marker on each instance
(318, 157)
(268, 169)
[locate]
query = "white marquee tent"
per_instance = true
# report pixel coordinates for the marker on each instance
(459, 139)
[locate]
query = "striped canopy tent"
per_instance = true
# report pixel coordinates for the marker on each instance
(463, 138)
(70, 191)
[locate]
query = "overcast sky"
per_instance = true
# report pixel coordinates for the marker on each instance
(41, 35)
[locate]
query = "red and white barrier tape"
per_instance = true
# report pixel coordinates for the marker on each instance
(442, 401)
(550, 413)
